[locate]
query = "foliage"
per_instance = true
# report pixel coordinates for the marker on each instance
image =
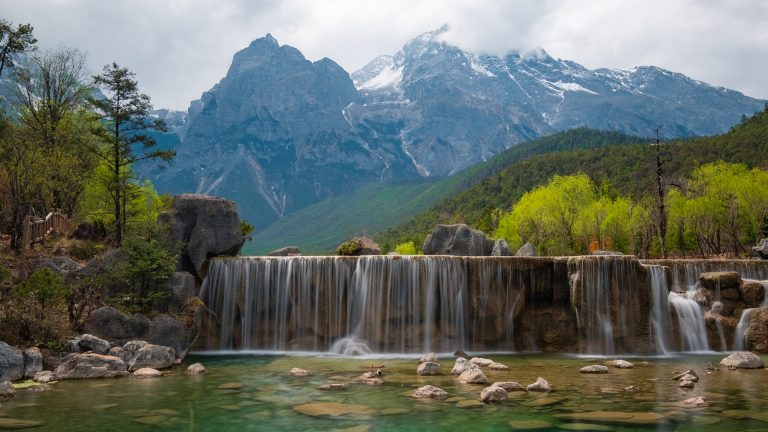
(246, 229)
(43, 286)
(4, 273)
(629, 168)
(85, 249)
(125, 111)
(350, 248)
(14, 42)
(407, 248)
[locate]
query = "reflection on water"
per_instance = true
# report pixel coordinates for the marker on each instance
(245, 393)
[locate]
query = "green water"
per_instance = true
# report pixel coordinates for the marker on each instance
(268, 397)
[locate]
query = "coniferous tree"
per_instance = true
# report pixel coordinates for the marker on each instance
(125, 113)
(14, 42)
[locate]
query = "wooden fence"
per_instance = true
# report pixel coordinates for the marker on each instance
(36, 229)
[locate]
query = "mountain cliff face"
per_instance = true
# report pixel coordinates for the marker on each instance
(279, 132)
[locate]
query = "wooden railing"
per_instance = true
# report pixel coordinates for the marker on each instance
(36, 230)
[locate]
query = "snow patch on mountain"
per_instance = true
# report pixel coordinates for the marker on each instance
(571, 86)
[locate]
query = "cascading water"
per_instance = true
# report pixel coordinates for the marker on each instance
(740, 338)
(660, 312)
(693, 330)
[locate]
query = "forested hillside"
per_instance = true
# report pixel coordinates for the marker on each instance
(629, 170)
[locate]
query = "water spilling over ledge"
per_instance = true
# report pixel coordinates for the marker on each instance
(414, 304)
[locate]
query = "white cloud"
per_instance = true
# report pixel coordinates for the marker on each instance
(180, 48)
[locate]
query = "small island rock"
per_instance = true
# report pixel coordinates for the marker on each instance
(540, 385)
(428, 368)
(594, 369)
(429, 392)
(742, 360)
(493, 394)
(298, 372)
(460, 366)
(196, 369)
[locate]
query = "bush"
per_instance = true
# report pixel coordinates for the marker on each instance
(350, 248)
(407, 248)
(43, 286)
(85, 249)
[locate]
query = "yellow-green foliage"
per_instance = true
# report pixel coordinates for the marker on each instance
(407, 248)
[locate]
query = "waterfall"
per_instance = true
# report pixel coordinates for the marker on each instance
(693, 331)
(660, 311)
(740, 338)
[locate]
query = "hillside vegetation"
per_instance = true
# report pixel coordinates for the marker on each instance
(319, 228)
(627, 169)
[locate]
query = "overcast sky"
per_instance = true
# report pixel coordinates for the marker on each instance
(180, 48)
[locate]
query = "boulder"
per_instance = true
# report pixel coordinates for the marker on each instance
(113, 325)
(460, 366)
(44, 377)
(90, 365)
(286, 251)
(147, 373)
(152, 356)
(497, 366)
(207, 226)
(6, 389)
(493, 394)
(11, 363)
(182, 285)
(540, 385)
(62, 265)
(686, 384)
(457, 240)
(428, 368)
(742, 360)
(594, 369)
(622, 364)
(90, 342)
(714, 282)
(357, 246)
(527, 250)
(473, 375)
(761, 250)
(122, 353)
(501, 248)
(298, 372)
(757, 330)
(429, 392)
(196, 369)
(689, 374)
(370, 378)
(510, 386)
(753, 293)
(89, 231)
(33, 362)
(332, 387)
(695, 402)
(482, 362)
(431, 357)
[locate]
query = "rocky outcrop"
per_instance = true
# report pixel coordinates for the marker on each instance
(44, 377)
(152, 356)
(64, 266)
(757, 330)
(429, 392)
(457, 240)
(112, 325)
(286, 251)
(206, 226)
(742, 360)
(501, 248)
(183, 288)
(11, 363)
(89, 365)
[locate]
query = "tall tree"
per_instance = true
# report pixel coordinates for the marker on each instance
(14, 42)
(125, 111)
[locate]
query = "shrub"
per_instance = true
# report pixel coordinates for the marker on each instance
(407, 248)
(350, 248)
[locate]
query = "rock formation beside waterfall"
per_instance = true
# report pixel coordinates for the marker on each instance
(457, 240)
(757, 331)
(742, 360)
(206, 226)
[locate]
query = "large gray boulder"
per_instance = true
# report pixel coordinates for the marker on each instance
(742, 360)
(6, 389)
(113, 325)
(286, 251)
(501, 248)
(89, 365)
(11, 363)
(152, 356)
(62, 265)
(89, 342)
(33, 362)
(183, 288)
(527, 250)
(207, 226)
(457, 240)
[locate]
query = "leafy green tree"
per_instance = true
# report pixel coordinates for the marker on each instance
(125, 111)
(14, 42)
(407, 248)
(43, 286)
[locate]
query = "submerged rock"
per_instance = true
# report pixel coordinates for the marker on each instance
(460, 366)
(332, 386)
(332, 409)
(147, 373)
(686, 384)
(196, 369)
(493, 394)
(482, 362)
(473, 375)
(618, 417)
(11, 363)
(44, 377)
(428, 368)
(370, 378)
(540, 385)
(689, 372)
(7, 423)
(696, 402)
(742, 360)
(298, 372)
(594, 369)
(510, 386)
(429, 392)
(530, 425)
(7, 390)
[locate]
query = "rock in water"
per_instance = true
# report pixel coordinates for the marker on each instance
(33, 362)
(431, 357)
(527, 250)
(11, 363)
(497, 366)
(89, 365)
(460, 366)
(457, 240)
(473, 375)
(196, 369)
(153, 356)
(686, 384)
(594, 369)
(429, 392)
(147, 373)
(696, 402)
(7, 390)
(493, 394)
(298, 372)
(689, 372)
(742, 360)
(620, 364)
(482, 362)
(370, 378)
(540, 385)
(510, 386)
(208, 226)
(428, 368)
(44, 377)
(90, 342)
